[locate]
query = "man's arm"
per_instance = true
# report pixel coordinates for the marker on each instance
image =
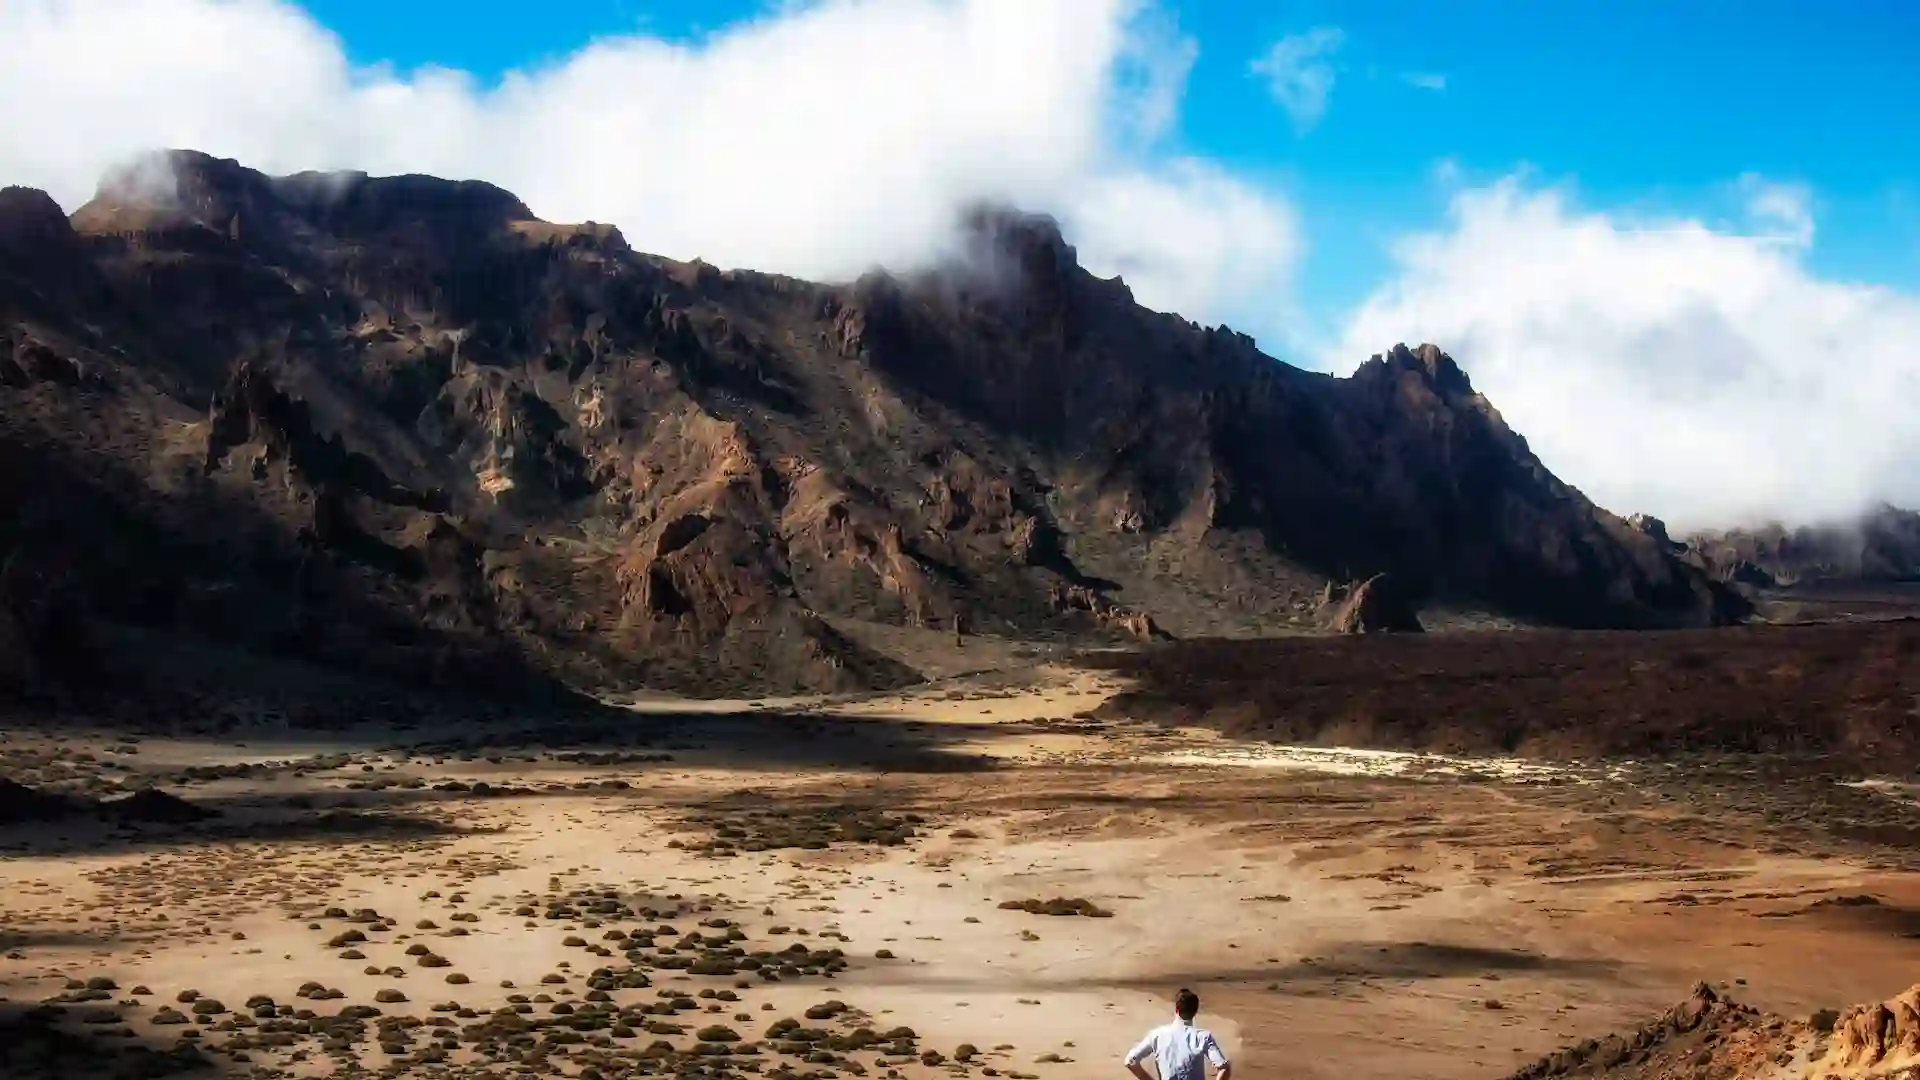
(1139, 1054)
(1222, 1068)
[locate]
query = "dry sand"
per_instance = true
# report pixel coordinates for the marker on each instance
(1342, 914)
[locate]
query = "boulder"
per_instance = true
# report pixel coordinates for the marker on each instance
(1377, 605)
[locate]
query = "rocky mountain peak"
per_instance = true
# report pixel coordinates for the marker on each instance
(31, 221)
(996, 235)
(655, 472)
(1427, 361)
(177, 189)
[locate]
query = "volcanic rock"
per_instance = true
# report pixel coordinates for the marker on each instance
(151, 805)
(1707, 1035)
(402, 425)
(1374, 606)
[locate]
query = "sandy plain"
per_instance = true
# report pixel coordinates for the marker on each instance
(600, 899)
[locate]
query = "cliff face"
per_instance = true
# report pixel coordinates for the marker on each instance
(403, 421)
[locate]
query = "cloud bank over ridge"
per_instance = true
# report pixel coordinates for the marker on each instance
(1699, 371)
(818, 140)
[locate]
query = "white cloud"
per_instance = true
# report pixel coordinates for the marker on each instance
(1662, 366)
(1210, 247)
(1783, 212)
(1424, 80)
(817, 140)
(1299, 73)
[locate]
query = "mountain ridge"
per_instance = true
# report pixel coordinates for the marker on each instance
(404, 418)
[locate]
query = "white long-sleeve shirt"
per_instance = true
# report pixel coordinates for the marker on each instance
(1180, 1050)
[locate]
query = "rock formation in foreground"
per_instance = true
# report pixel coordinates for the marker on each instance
(1709, 1036)
(1377, 605)
(403, 425)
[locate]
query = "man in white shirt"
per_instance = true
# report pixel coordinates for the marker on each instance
(1180, 1049)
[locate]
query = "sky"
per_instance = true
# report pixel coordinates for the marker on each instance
(1676, 245)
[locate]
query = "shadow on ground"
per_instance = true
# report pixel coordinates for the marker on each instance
(1400, 960)
(237, 819)
(36, 1044)
(1841, 694)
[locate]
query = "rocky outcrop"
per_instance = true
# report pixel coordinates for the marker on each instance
(1656, 529)
(1375, 606)
(1884, 1034)
(402, 422)
(1690, 1032)
(1105, 613)
(498, 430)
(1708, 1035)
(252, 411)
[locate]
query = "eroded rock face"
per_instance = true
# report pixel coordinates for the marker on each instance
(401, 421)
(1877, 1034)
(1106, 613)
(1708, 1035)
(1375, 606)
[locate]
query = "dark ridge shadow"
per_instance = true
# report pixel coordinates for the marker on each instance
(1350, 960)
(1858, 915)
(239, 819)
(753, 740)
(49, 939)
(1426, 960)
(1402, 960)
(621, 753)
(36, 1044)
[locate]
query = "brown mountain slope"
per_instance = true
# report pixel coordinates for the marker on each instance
(401, 421)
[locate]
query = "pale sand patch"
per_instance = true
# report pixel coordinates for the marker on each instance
(1353, 761)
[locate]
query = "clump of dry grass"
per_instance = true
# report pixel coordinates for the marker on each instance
(1058, 906)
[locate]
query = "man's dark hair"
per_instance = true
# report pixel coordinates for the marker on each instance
(1186, 1004)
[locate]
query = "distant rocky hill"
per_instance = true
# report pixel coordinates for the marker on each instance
(403, 425)
(1881, 545)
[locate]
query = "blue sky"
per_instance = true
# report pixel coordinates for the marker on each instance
(1645, 107)
(1677, 245)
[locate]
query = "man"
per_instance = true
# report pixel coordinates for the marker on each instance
(1180, 1048)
